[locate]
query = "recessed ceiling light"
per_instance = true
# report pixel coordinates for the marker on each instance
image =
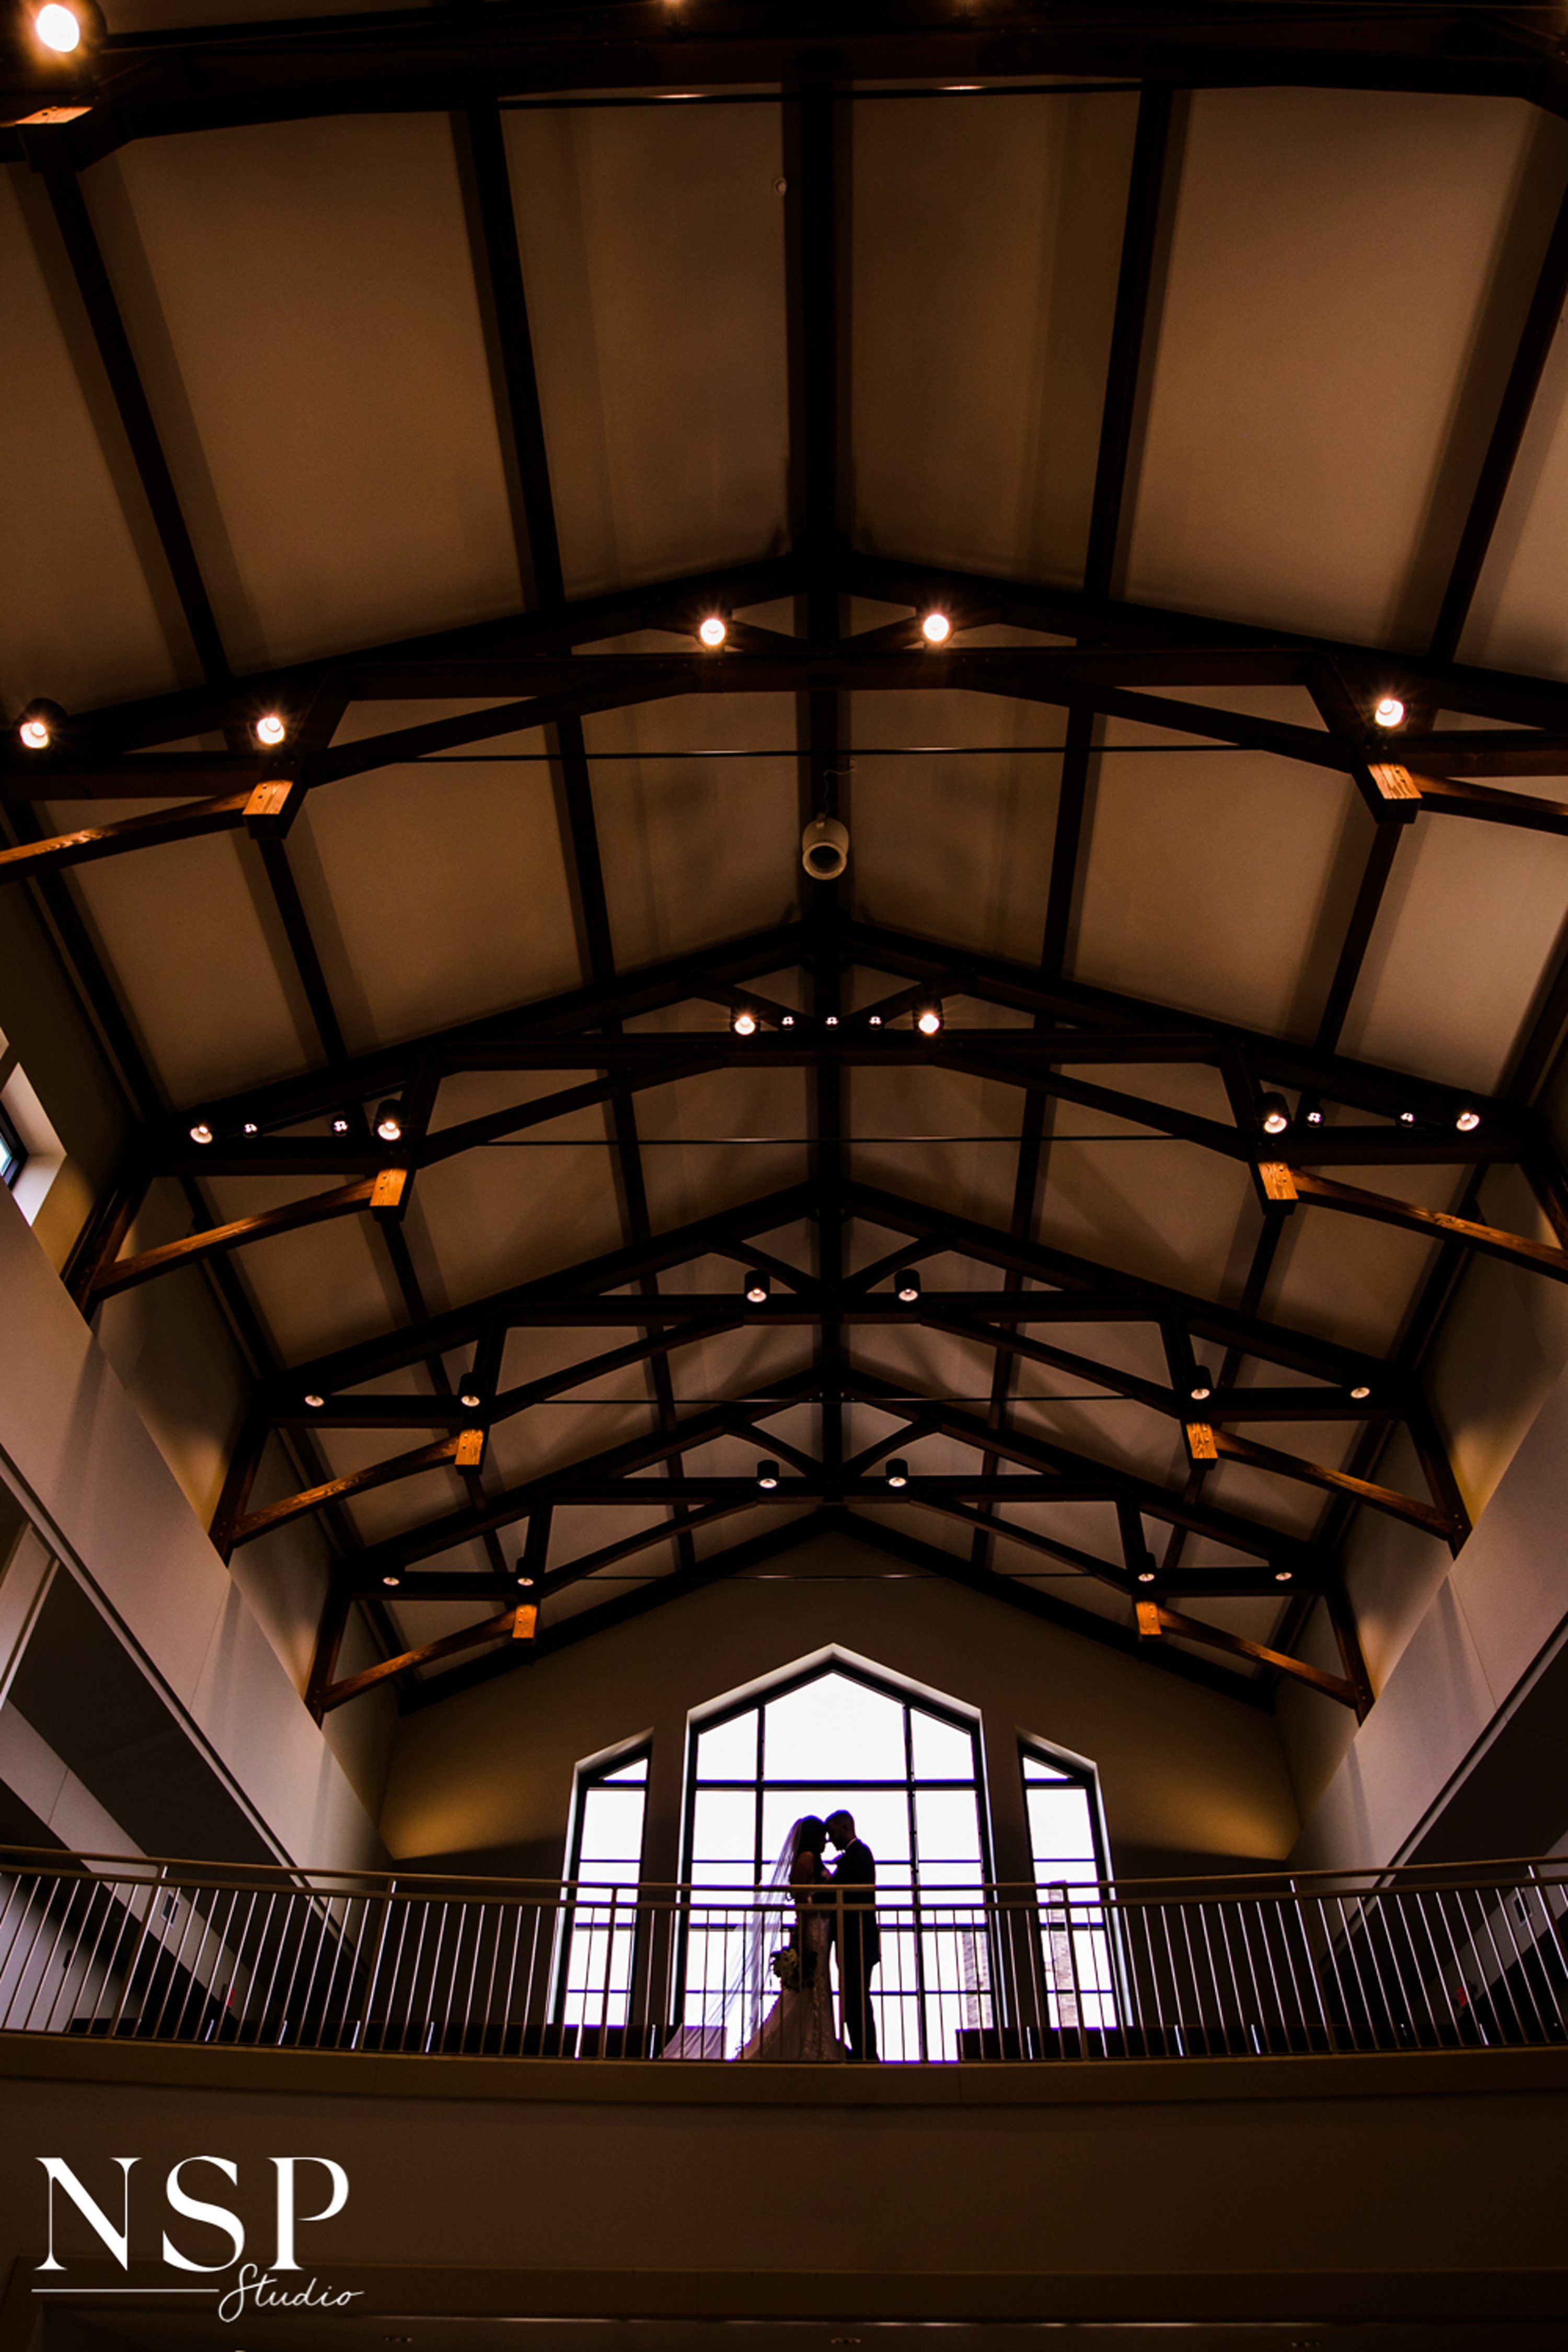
(713, 631)
(928, 1019)
(201, 1132)
(58, 28)
(936, 628)
(1390, 711)
(271, 729)
(1466, 1122)
(35, 734)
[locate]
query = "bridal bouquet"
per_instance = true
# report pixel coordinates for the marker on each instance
(786, 1966)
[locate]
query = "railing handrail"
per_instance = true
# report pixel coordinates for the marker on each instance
(150, 1871)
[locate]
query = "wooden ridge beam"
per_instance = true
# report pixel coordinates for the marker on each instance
(494, 1629)
(1229, 1448)
(1436, 1225)
(1212, 1637)
(125, 1274)
(225, 814)
(254, 1523)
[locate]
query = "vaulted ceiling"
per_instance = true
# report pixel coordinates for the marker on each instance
(424, 379)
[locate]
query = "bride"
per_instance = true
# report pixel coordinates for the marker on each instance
(799, 2025)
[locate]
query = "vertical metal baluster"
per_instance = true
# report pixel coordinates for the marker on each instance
(279, 1948)
(1201, 1909)
(1542, 1891)
(1503, 1993)
(42, 1901)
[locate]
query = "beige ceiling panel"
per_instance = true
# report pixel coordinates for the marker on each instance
(302, 307)
(695, 847)
(324, 1288)
(501, 1217)
(552, 1437)
(653, 254)
(1163, 1210)
(197, 952)
(436, 896)
(980, 357)
(955, 846)
(1471, 917)
(944, 1111)
(79, 621)
(1346, 1279)
(684, 1180)
(1215, 884)
(1289, 473)
(1117, 1431)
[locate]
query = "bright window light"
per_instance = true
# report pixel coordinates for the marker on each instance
(909, 1774)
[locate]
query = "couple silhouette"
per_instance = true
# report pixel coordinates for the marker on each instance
(834, 1907)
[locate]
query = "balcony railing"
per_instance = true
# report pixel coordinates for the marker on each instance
(1423, 1959)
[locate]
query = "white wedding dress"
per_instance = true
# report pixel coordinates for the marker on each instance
(799, 2026)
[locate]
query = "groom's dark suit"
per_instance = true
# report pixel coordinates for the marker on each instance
(859, 1944)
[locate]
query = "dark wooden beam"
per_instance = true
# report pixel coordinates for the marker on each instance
(1380, 856)
(1529, 357)
(1538, 1258)
(254, 1523)
(155, 85)
(1188, 1629)
(470, 1637)
(126, 1274)
(71, 217)
(89, 843)
(1140, 239)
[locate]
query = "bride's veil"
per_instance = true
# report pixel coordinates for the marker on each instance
(750, 1987)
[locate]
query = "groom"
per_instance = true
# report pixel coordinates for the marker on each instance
(860, 1941)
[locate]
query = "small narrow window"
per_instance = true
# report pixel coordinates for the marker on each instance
(1069, 1864)
(600, 1923)
(13, 1152)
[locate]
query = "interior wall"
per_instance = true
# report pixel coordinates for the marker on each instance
(99, 1491)
(56, 1046)
(1188, 1776)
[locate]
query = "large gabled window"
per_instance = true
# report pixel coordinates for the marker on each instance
(909, 1768)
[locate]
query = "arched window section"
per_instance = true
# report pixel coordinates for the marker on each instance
(599, 1922)
(836, 1734)
(1068, 1844)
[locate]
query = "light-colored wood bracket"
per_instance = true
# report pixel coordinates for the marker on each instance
(1201, 1443)
(1149, 1626)
(1278, 1181)
(525, 1620)
(273, 805)
(1394, 784)
(470, 1449)
(389, 1193)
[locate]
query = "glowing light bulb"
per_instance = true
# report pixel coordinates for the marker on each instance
(392, 1579)
(745, 1023)
(1361, 1394)
(469, 1400)
(271, 729)
(1281, 1575)
(713, 631)
(928, 1020)
(898, 1474)
(1275, 1116)
(389, 1122)
(58, 28)
(1390, 711)
(314, 1401)
(35, 734)
(201, 1132)
(1145, 1576)
(251, 1128)
(936, 628)
(1466, 1122)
